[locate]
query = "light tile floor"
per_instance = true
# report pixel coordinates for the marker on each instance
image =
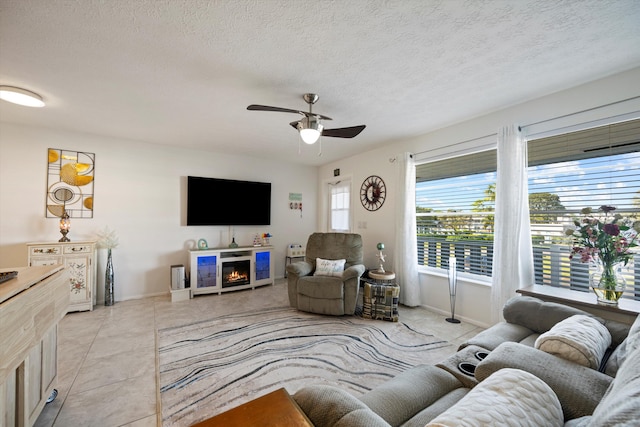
(107, 362)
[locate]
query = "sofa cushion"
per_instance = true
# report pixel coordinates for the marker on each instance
(329, 267)
(401, 398)
(435, 409)
(323, 287)
(620, 405)
(580, 339)
(331, 406)
(615, 359)
(578, 422)
(508, 396)
(578, 388)
(620, 353)
(537, 315)
(497, 334)
(335, 246)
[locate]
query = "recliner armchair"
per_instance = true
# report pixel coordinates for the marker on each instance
(333, 295)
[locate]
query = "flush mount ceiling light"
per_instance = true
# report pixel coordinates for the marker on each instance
(21, 96)
(310, 129)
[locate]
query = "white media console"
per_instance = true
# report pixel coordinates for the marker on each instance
(230, 269)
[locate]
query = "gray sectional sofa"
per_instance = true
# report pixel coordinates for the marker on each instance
(547, 364)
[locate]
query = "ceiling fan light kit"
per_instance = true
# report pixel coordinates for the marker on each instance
(21, 96)
(310, 127)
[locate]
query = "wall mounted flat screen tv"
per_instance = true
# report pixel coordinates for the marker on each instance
(214, 201)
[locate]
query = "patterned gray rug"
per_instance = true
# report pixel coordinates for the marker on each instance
(211, 366)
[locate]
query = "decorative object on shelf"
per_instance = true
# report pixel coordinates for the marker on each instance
(107, 239)
(380, 273)
(607, 282)
(380, 247)
(605, 242)
(256, 240)
(233, 243)
(65, 226)
(373, 193)
(70, 183)
(265, 238)
(453, 284)
(203, 245)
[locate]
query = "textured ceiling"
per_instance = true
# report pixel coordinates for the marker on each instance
(183, 72)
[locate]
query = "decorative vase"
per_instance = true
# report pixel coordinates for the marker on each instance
(607, 282)
(108, 281)
(233, 243)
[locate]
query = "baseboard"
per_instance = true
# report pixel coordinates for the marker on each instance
(462, 318)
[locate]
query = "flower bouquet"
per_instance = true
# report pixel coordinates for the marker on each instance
(605, 240)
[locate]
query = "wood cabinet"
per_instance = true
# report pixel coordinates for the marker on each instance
(30, 308)
(229, 269)
(79, 258)
(275, 409)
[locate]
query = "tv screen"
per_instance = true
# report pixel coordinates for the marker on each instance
(214, 201)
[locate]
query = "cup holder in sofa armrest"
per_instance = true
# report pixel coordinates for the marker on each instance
(467, 368)
(480, 355)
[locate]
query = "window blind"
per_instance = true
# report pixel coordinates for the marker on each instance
(455, 201)
(590, 168)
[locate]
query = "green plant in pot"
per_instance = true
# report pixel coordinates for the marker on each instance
(606, 241)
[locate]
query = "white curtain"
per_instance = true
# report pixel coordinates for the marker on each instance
(512, 250)
(406, 259)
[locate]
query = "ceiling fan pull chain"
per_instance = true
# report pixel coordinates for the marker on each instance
(320, 146)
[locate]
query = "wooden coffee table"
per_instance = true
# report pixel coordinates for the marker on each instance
(275, 409)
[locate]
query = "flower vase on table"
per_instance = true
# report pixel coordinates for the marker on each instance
(606, 242)
(607, 282)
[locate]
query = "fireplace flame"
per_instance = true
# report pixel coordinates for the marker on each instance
(236, 276)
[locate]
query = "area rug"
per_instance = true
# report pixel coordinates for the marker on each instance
(208, 367)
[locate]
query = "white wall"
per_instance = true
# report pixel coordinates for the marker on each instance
(473, 298)
(140, 192)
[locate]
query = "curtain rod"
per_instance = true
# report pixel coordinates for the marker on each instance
(456, 143)
(520, 128)
(582, 111)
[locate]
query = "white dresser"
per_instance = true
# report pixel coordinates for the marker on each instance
(79, 259)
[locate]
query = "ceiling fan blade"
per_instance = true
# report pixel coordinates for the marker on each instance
(255, 107)
(268, 108)
(349, 132)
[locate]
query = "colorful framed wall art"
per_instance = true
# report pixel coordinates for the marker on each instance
(70, 177)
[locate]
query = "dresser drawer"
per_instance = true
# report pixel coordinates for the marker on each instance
(78, 249)
(45, 250)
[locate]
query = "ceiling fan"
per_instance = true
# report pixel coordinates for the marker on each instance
(310, 126)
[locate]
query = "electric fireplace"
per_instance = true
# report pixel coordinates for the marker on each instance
(236, 273)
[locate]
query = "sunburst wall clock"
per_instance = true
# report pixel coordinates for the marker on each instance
(373, 193)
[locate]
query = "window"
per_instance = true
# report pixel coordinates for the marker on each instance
(590, 168)
(455, 201)
(339, 206)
